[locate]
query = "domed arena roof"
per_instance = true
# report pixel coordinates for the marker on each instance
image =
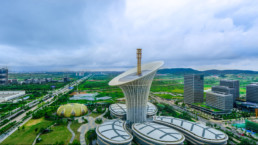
(70, 110)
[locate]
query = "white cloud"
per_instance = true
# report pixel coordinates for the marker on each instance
(187, 33)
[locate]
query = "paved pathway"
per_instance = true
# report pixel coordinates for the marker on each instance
(90, 125)
(73, 134)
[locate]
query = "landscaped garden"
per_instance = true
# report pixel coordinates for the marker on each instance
(28, 132)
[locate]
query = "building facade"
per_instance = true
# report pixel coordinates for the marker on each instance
(231, 84)
(252, 93)
(219, 100)
(10, 95)
(225, 90)
(193, 88)
(3, 76)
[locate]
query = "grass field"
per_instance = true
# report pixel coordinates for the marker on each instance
(207, 107)
(27, 135)
(74, 126)
(60, 133)
(94, 115)
(168, 96)
(242, 91)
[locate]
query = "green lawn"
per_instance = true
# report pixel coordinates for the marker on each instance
(74, 126)
(27, 135)
(60, 133)
(181, 91)
(207, 107)
(242, 90)
(168, 96)
(94, 115)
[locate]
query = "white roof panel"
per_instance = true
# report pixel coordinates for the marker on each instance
(114, 131)
(120, 109)
(158, 133)
(197, 129)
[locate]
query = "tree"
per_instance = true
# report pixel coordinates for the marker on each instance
(245, 141)
(36, 129)
(42, 129)
(99, 109)
(91, 135)
(98, 121)
(23, 127)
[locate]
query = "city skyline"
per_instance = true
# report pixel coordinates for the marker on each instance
(59, 36)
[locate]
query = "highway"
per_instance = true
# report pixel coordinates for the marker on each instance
(49, 100)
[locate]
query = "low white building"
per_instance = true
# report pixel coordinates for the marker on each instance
(9, 95)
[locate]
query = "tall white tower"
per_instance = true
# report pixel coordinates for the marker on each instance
(135, 84)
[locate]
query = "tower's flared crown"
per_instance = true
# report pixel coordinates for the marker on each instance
(131, 74)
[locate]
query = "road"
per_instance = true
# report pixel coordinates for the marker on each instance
(48, 101)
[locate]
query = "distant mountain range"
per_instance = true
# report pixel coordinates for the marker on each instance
(206, 72)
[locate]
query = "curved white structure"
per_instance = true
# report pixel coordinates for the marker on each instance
(119, 110)
(194, 132)
(136, 90)
(113, 132)
(156, 134)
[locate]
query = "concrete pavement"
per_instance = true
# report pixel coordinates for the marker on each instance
(90, 125)
(73, 134)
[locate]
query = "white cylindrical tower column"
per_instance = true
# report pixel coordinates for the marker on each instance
(136, 94)
(136, 89)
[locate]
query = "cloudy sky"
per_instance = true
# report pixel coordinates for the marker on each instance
(104, 34)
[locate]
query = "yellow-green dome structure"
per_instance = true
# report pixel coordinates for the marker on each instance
(72, 109)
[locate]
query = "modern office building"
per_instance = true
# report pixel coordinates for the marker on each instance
(225, 90)
(193, 88)
(252, 93)
(219, 100)
(195, 133)
(231, 84)
(3, 76)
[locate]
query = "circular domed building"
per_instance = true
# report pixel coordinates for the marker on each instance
(70, 110)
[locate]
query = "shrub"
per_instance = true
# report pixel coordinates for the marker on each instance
(98, 121)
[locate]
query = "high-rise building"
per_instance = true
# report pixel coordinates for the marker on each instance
(222, 101)
(3, 76)
(231, 84)
(252, 93)
(225, 90)
(193, 88)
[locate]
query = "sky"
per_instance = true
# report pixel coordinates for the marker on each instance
(66, 35)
